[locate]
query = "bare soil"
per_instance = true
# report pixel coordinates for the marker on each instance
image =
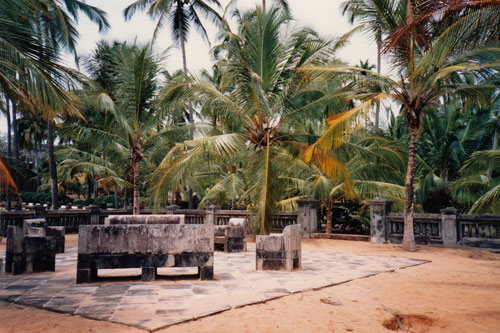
(458, 291)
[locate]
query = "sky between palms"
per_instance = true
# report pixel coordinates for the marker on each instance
(322, 15)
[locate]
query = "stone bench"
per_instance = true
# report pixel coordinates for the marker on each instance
(279, 251)
(231, 237)
(138, 242)
(33, 247)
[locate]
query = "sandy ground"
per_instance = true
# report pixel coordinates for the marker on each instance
(459, 291)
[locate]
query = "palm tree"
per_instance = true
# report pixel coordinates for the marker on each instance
(428, 63)
(181, 14)
(136, 119)
(378, 18)
(266, 100)
(56, 21)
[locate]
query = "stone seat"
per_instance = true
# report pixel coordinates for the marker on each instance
(279, 251)
(33, 247)
(146, 246)
(231, 237)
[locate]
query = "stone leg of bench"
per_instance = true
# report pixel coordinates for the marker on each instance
(8, 262)
(148, 273)
(86, 275)
(206, 272)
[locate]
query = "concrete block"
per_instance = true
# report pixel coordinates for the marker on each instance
(35, 232)
(147, 245)
(34, 223)
(280, 251)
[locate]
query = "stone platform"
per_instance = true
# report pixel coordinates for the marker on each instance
(171, 300)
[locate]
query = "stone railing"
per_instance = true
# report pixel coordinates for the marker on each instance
(445, 229)
(306, 216)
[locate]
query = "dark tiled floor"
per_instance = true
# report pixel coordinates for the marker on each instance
(165, 302)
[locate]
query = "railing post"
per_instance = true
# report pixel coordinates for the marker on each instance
(40, 211)
(210, 215)
(449, 226)
(170, 209)
(95, 213)
(307, 216)
(379, 209)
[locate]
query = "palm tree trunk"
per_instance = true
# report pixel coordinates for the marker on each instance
(37, 165)
(9, 129)
(52, 165)
(125, 198)
(329, 218)
(190, 108)
(409, 236)
(116, 196)
(135, 166)
(15, 134)
(89, 188)
(264, 5)
(377, 110)
(9, 146)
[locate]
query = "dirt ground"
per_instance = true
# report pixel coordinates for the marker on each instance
(458, 291)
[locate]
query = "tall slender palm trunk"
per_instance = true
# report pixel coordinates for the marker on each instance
(9, 129)
(9, 145)
(409, 237)
(52, 165)
(37, 164)
(328, 218)
(15, 133)
(379, 61)
(190, 107)
(115, 190)
(136, 207)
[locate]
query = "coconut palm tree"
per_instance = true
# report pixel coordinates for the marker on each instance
(135, 125)
(257, 117)
(378, 18)
(429, 58)
(56, 22)
(181, 14)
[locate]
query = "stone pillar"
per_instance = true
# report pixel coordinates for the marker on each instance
(95, 213)
(170, 209)
(210, 215)
(40, 211)
(307, 216)
(379, 209)
(449, 226)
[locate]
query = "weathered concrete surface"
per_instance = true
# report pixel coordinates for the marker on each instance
(32, 248)
(230, 238)
(280, 251)
(152, 306)
(145, 219)
(379, 208)
(146, 246)
(307, 216)
(449, 226)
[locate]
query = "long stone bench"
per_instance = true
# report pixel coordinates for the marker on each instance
(33, 247)
(231, 237)
(279, 251)
(146, 242)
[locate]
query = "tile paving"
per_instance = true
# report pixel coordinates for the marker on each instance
(174, 299)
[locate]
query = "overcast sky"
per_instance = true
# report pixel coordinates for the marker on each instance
(323, 16)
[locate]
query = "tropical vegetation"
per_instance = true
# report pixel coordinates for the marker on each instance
(277, 118)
